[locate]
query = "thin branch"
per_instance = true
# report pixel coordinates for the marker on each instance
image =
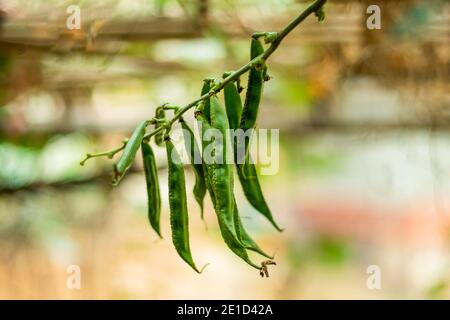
(109, 154)
(274, 40)
(314, 7)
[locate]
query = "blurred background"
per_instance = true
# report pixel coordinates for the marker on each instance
(364, 175)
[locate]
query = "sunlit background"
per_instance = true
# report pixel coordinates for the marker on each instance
(364, 175)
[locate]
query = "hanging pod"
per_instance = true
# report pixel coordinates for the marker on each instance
(246, 169)
(206, 107)
(233, 106)
(151, 179)
(195, 156)
(179, 220)
(129, 153)
(160, 114)
(233, 103)
(221, 173)
(244, 237)
(203, 117)
(248, 178)
(228, 232)
(233, 241)
(254, 89)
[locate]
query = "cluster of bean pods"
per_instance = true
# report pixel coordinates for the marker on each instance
(216, 178)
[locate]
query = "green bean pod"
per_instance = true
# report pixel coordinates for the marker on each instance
(194, 153)
(153, 195)
(233, 104)
(247, 171)
(245, 238)
(159, 114)
(204, 122)
(248, 178)
(228, 235)
(129, 153)
(179, 220)
(254, 89)
(236, 246)
(221, 174)
(208, 168)
(206, 103)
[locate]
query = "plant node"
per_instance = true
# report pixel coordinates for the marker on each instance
(320, 14)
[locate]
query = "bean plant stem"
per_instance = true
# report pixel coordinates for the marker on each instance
(315, 6)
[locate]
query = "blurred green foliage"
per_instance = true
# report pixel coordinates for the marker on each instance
(310, 155)
(437, 290)
(57, 160)
(320, 249)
